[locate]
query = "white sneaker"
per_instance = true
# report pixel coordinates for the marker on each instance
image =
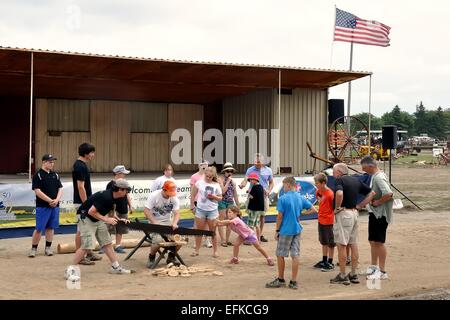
(378, 275)
(73, 278)
(371, 270)
(48, 251)
(120, 270)
(208, 243)
(32, 253)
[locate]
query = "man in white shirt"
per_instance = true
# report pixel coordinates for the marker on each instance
(162, 207)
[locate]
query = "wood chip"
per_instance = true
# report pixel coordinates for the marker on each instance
(217, 273)
(185, 275)
(173, 273)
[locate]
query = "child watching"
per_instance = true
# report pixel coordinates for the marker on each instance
(326, 219)
(255, 207)
(245, 234)
(288, 229)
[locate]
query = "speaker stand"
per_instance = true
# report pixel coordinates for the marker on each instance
(390, 182)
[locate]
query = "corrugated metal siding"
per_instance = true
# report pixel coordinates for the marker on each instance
(149, 151)
(254, 110)
(183, 116)
(148, 117)
(303, 119)
(64, 146)
(68, 115)
(110, 134)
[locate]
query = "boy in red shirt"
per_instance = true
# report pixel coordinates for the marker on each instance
(326, 220)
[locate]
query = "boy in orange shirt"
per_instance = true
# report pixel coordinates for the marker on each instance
(326, 220)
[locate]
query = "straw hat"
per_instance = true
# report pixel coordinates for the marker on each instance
(228, 166)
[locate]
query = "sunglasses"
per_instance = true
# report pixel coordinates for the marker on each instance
(229, 171)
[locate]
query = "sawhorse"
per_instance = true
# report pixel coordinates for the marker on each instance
(161, 254)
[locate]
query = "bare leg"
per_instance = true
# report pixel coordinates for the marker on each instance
(342, 257)
(77, 240)
(36, 237)
(330, 252)
(262, 219)
(79, 255)
(373, 253)
(211, 226)
(200, 223)
(281, 265)
(228, 232)
(382, 253)
(110, 252)
(222, 214)
(236, 245)
(355, 257)
(295, 264)
(258, 247)
(324, 251)
(118, 239)
(49, 235)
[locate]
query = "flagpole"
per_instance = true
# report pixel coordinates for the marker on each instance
(350, 83)
(332, 41)
(370, 107)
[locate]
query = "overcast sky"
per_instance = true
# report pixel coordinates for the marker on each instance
(290, 33)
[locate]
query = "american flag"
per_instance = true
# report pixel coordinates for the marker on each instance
(350, 28)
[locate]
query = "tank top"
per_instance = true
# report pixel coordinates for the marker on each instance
(229, 194)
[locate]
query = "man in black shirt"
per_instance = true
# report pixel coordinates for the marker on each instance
(82, 190)
(345, 228)
(123, 205)
(48, 188)
(93, 219)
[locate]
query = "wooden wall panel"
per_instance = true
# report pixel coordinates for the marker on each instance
(149, 151)
(183, 116)
(110, 134)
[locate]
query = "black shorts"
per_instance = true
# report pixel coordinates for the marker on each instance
(326, 236)
(377, 228)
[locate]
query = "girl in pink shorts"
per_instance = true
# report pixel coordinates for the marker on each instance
(245, 234)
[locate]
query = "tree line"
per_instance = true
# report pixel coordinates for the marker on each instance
(435, 123)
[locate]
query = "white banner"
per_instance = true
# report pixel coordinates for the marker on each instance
(21, 195)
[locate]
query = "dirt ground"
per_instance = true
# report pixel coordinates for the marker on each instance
(418, 255)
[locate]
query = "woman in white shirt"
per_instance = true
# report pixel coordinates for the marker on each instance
(206, 212)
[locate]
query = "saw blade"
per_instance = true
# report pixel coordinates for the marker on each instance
(161, 229)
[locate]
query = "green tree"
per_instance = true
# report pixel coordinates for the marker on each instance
(437, 124)
(402, 119)
(375, 122)
(421, 120)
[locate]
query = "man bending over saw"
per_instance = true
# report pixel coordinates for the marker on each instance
(162, 207)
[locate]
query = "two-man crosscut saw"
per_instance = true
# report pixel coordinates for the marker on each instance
(161, 229)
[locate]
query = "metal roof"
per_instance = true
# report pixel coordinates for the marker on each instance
(91, 76)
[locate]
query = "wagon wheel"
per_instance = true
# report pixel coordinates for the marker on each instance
(343, 139)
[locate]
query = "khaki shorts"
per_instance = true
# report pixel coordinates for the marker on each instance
(156, 237)
(345, 227)
(91, 231)
(76, 206)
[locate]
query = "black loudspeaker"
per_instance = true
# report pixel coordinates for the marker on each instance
(335, 110)
(389, 135)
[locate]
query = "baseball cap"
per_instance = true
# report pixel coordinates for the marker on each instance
(253, 176)
(121, 169)
(48, 157)
(122, 184)
(170, 188)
